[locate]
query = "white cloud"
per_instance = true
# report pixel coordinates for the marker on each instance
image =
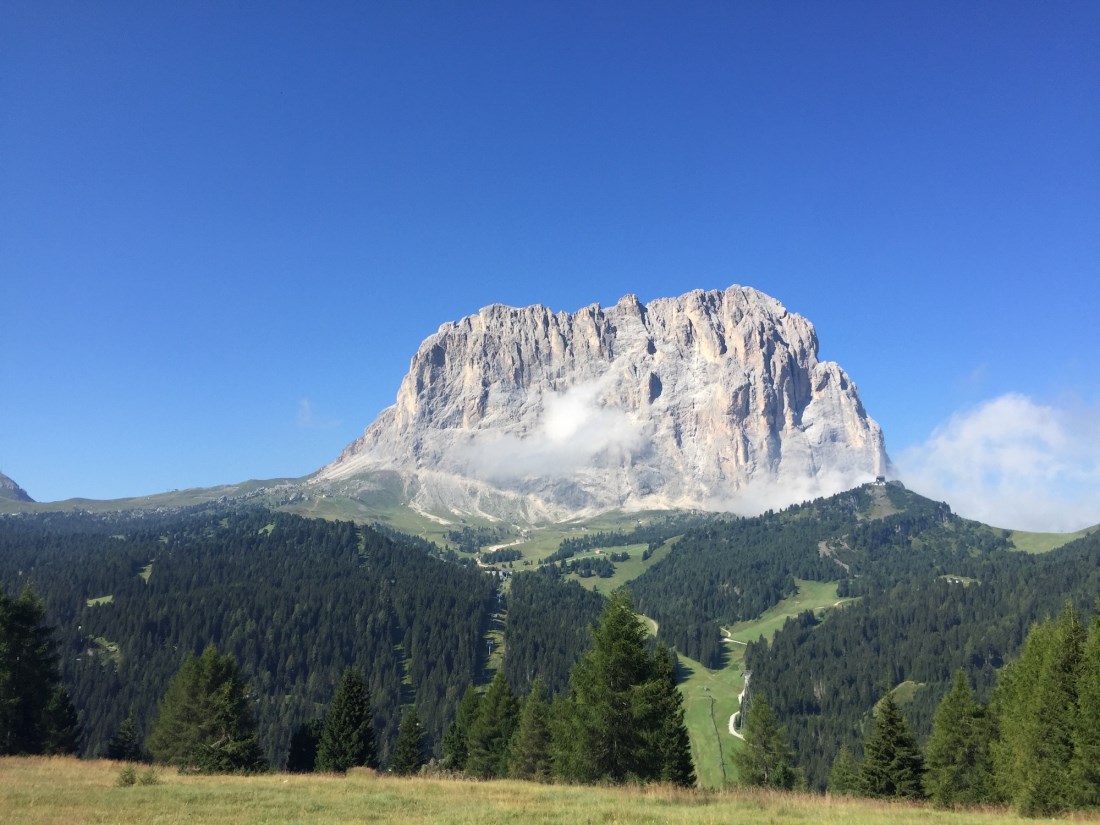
(576, 430)
(1013, 462)
(308, 419)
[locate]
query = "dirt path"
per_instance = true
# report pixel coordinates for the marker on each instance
(737, 713)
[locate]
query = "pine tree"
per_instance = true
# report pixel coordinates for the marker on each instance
(530, 751)
(598, 736)
(1085, 767)
(205, 722)
(125, 745)
(1036, 700)
(31, 709)
(408, 750)
(347, 740)
(490, 734)
(844, 774)
(457, 735)
(957, 753)
(668, 738)
(765, 760)
(892, 764)
(61, 725)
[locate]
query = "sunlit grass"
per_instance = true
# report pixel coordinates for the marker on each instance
(36, 790)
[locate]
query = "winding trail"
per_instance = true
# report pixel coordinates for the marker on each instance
(740, 697)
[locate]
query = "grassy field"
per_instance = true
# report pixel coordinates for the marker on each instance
(1045, 542)
(40, 791)
(816, 596)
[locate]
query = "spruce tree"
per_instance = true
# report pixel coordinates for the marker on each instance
(530, 751)
(456, 738)
(125, 745)
(61, 725)
(347, 740)
(408, 750)
(1085, 766)
(1036, 698)
(765, 760)
(599, 736)
(34, 716)
(490, 734)
(668, 738)
(844, 773)
(956, 757)
(892, 764)
(205, 722)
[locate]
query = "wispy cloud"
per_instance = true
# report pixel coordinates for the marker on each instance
(1013, 462)
(309, 420)
(576, 430)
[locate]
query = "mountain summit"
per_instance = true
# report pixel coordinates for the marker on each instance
(713, 400)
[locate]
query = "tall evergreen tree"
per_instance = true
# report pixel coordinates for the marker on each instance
(619, 720)
(408, 750)
(1036, 699)
(956, 757)
(844, 774)
(205, 722)
(61, 724)
(490, 735)
(667, 734)
(125, 745)
(347, 740)
(765, 760)
(1085, 767)
(599, 738)
(456, 738)
(529, 757)
(35, 713)
(892, 764)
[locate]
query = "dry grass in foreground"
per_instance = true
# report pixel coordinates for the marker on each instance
(69, 791)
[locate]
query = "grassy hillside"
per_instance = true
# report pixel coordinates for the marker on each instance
(710, 696)
(1045, 542)
(39, 791)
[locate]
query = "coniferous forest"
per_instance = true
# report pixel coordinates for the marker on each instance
(295, 601)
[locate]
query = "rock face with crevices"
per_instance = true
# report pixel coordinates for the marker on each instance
(713, 400)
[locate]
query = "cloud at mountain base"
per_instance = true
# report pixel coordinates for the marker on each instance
(1013, 462)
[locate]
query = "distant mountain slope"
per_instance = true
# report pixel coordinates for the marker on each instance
(713, 400)
(12, 491)
(727, 572)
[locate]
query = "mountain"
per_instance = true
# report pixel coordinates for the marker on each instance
(12, 491)
(712, 400)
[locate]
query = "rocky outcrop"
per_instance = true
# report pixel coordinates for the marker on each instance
(12, 491)
(712, 400)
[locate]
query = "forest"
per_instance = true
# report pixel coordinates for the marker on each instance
(295, 601)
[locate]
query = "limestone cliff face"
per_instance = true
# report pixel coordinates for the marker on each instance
(712, 400)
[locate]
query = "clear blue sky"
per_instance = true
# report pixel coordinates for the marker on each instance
(226, 227)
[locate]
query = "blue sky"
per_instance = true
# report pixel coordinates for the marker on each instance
(226, 227)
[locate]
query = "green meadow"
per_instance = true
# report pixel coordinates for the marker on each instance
(67, 791)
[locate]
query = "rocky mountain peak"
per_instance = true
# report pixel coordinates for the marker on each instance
(10, 490)
(712, 400)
